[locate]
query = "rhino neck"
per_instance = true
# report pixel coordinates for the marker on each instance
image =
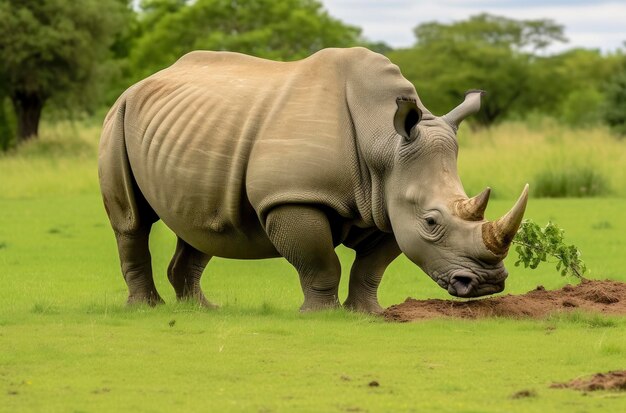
(372, 86)
(382, 168)
(377, 157)
(373, 148)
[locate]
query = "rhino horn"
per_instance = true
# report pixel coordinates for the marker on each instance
(497, 235)
(468, 107)
(473, 209)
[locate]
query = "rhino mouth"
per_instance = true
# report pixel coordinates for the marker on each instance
(466, 284)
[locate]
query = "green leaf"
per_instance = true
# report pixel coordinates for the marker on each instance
(536, 245)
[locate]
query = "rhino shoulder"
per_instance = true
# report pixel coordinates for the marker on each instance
(208, 57)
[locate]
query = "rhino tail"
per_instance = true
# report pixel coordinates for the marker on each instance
(125, 205)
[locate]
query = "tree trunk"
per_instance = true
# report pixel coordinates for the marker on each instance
(28, 111)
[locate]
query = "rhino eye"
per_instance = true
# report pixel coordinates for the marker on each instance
(431, 228)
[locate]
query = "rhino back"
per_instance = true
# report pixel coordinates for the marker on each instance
(218, 138)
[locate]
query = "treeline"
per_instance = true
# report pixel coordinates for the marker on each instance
(508, 59)
(74, 58)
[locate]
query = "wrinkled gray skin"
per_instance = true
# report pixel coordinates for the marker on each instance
(247, 158)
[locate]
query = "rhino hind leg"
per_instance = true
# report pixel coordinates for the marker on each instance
(185, 271)
(130, 214)
(373, 255)
(136, 265)
(132, 232)
(302, 235)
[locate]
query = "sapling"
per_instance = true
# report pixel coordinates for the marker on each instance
(534, 244)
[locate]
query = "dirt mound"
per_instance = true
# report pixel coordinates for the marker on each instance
(608, 297)
(613, 380)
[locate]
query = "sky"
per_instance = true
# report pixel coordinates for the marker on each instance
(597, 24)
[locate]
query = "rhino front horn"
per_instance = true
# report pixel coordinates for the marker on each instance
(497, 235)
(468, 107)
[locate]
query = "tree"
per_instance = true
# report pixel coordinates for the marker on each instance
(7, 124)
(487, 52)
(48, 47)
(282, 30)
(615, 111)
(574, 83)
(487, 29)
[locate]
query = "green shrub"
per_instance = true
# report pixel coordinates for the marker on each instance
(570, 182)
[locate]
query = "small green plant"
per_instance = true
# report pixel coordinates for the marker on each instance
(534, 244)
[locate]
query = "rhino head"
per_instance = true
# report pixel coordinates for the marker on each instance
(435, 224)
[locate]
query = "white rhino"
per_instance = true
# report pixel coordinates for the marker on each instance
(248, 158)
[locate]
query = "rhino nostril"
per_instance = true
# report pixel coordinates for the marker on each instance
(461, 285)
(463, 280)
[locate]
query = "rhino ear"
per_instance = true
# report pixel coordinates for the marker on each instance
(407, 116)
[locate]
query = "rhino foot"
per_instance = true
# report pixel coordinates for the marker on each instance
(368, 306)
(319, 304)
(151, 298)
(208, 304)
(200, 299)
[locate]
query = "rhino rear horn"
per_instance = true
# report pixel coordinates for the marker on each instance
(468, 107)
(473, 209)
(498, 235)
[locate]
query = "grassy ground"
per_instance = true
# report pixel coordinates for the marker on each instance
(67, 343)
(509, 155)
(62, 161)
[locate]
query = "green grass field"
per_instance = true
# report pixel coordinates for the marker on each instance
(68, 343)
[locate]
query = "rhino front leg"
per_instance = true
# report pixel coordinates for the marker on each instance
(303, 236)
(373, 255)
(185, 271)
(137, 267)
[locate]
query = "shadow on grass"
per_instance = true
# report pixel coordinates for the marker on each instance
(264, 310)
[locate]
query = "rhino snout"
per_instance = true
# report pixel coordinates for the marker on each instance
(467, 284)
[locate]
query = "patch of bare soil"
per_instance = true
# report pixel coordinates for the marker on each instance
(607, 297)
(613, 380)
